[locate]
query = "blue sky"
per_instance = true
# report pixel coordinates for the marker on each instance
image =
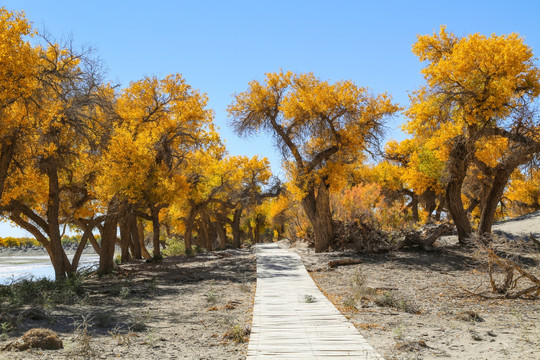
(219, 46)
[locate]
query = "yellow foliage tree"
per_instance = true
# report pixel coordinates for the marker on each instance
(56, 133)
(477, 88)
(161, 123)
(317, 126)
(524, 192)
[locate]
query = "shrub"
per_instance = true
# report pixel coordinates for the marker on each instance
(365, 203)
(389, 299)
(43, 291)
(211, 297)
(176, 247)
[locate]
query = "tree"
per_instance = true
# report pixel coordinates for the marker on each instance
(254, 184)
(412, 169)
(58, 133)
(315, 124)
(161, 122)
(477, 88)
(524, 191)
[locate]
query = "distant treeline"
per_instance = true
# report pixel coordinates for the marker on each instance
(24, 241)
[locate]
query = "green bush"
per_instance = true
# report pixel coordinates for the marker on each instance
(176, 247)
(43, 291)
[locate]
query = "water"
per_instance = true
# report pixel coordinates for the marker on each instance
(16, 267)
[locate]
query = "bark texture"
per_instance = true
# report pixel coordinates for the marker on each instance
(317, 208)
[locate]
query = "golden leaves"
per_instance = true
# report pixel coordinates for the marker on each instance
(324, 126)
(162, 122)
(474, 80)
(18, 68)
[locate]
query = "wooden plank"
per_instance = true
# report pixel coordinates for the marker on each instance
(292, 319)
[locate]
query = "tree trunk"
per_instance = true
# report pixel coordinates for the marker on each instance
(80, 248)
(204, 235)
(156, 230)
(94, 243)
(494, 197)
(140, 232)
(15, 216)
(259, 224)
(237, 215)
(125, 238)
(414, 207)
(211, 232)
(189, 229)
(455, 208)
(137, 253)
(457, 168)
(250, 232)
(59, 259)
(108, 239)
(222, 234)
(6, 155)
(502, 173)
(317, 209)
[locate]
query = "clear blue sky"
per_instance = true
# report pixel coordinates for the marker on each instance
(219, 46)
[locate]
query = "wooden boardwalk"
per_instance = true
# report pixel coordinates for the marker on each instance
(292, 319)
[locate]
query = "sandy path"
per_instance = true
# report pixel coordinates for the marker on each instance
(522, 226)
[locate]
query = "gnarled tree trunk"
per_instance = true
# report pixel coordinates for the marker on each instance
(59, 259)
(317, 208)
(457, 169)
(494, 197)
(108, 239)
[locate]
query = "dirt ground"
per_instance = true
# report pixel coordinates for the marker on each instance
(181, 308)
(412, 304)
(409, 305)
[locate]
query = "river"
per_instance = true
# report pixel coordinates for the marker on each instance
(16, 267)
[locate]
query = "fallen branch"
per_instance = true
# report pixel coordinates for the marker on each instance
(481, 294)
(425, 238)
(509, 267)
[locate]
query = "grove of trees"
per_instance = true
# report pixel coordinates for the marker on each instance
(146, 161)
